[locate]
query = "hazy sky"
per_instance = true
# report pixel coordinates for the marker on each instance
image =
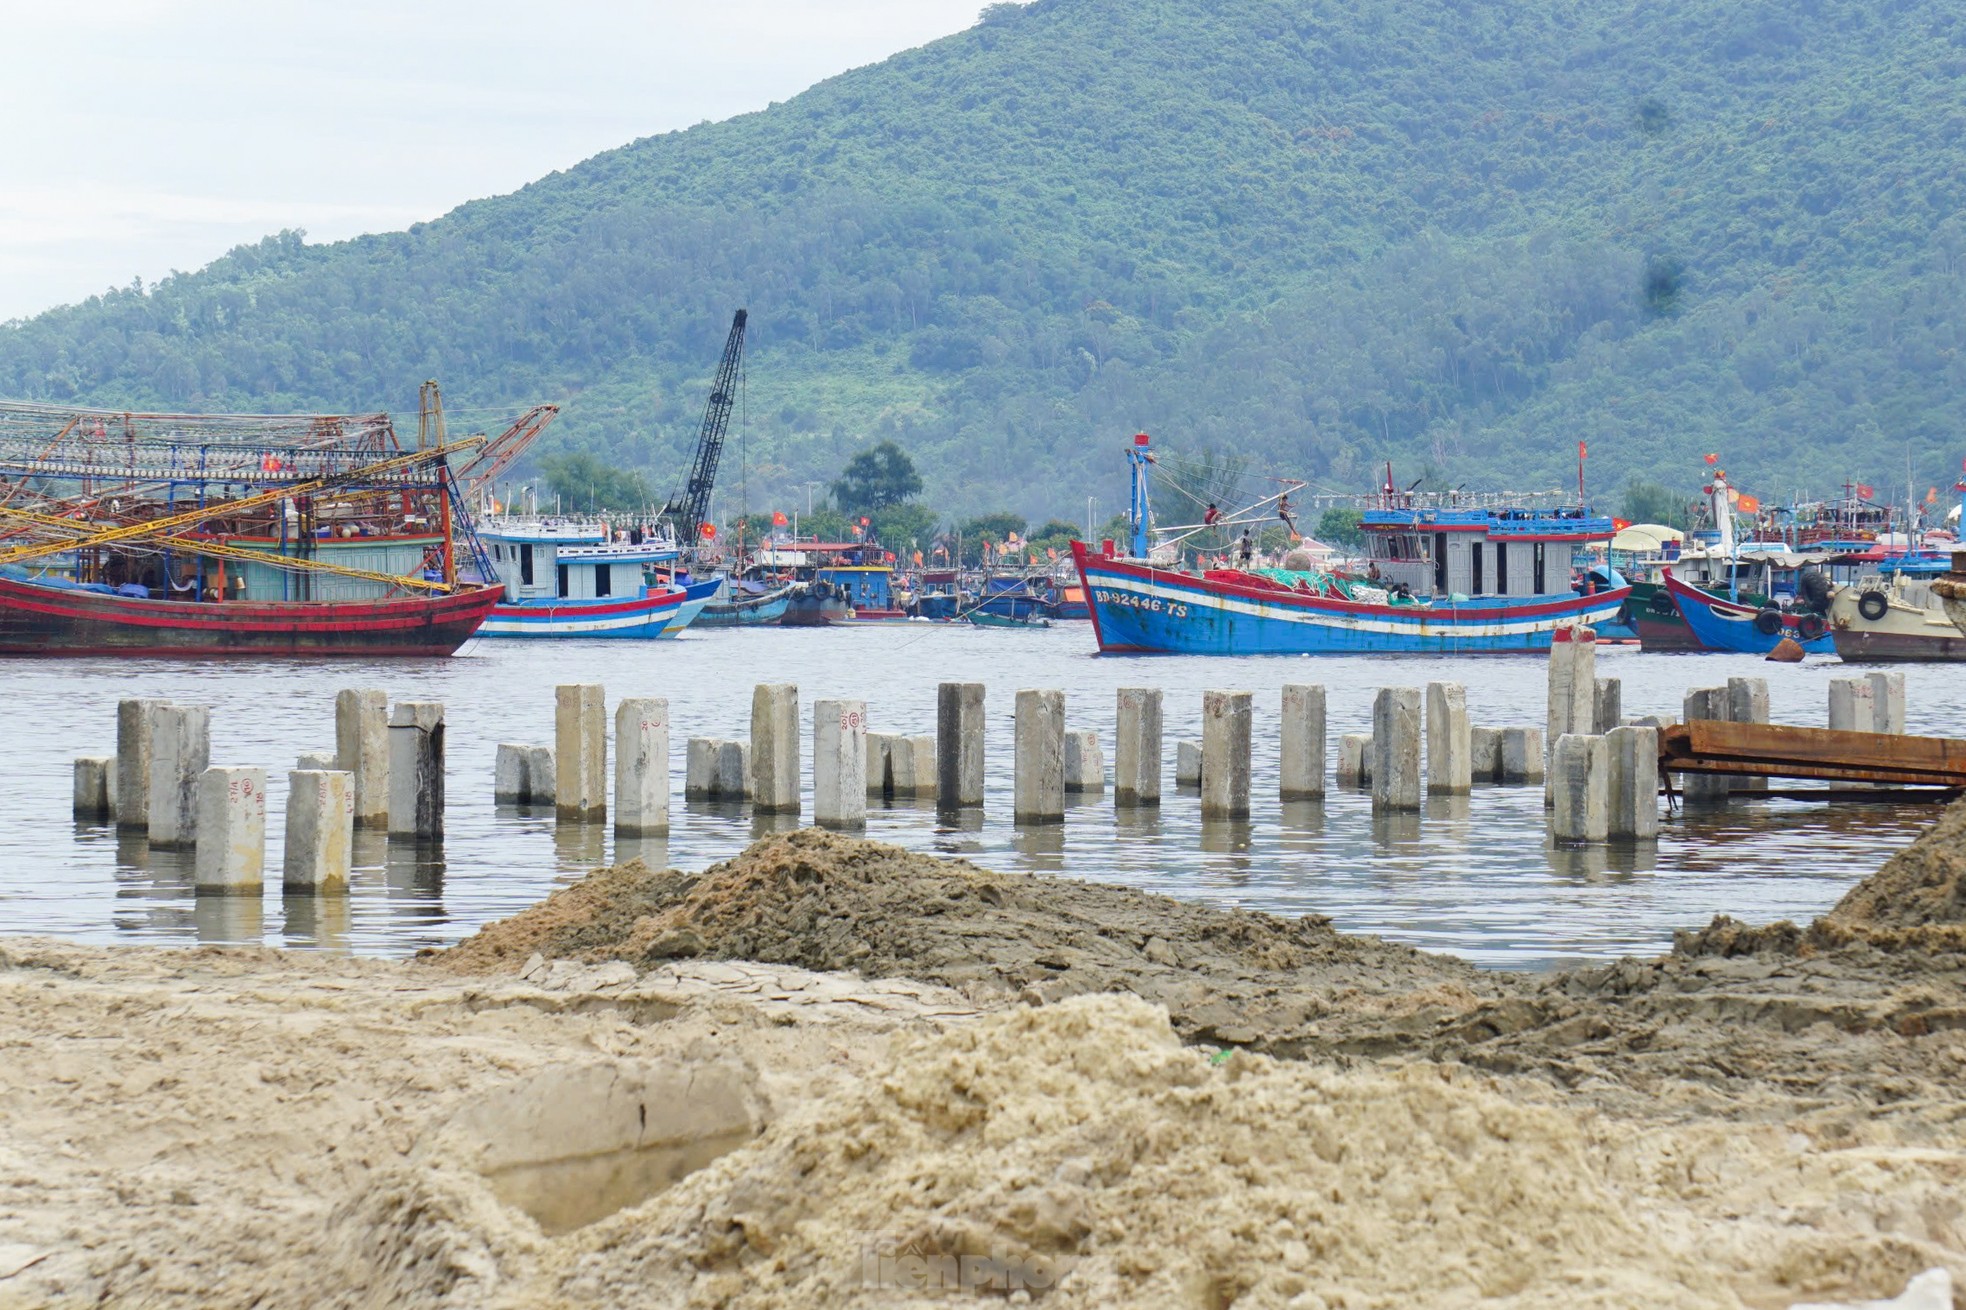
(142, 136)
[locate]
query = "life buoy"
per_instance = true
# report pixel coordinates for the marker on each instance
(1809, 626)
(1768, 622)
(1661, 605)
(1873, 605)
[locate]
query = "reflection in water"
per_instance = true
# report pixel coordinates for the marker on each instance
(763, 825)
(413, 882)
(1470, 874)
(1228, 843)
(580, 845)
(652, 851)
(309, 920)
(1397, 831)
(1041, 845)
(228, 920)
(1298, 821)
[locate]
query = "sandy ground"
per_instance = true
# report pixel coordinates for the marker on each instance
(832, 1073)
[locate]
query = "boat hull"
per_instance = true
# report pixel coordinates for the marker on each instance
(42, 620)
(749, 613)
(1725, 625)
(696, 598)
(1669, 636)
(642, 618)
(814, 610)
(1137, 608)
(1905, 633)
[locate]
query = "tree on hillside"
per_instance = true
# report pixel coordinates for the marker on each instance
(1339, 526)
(583, 482)
(1649, 502)
(994, 528)
(904, 527)
(881, 476)
(825, 524)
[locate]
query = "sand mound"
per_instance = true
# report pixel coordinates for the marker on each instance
(826, 902)
(1082, 1151)
(1920, 886)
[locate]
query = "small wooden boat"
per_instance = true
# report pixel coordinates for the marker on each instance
(745, 605)
(985, 619)
(1728, 625)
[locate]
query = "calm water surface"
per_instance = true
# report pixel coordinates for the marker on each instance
(1474, 876)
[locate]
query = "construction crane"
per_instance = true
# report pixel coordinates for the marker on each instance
(690, 510)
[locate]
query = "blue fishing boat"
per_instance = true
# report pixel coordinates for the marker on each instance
(744, 603)
(939, 596)
(1011, 597)
(1730, 625)
(1444, 578)
(696, 598)
(572, 578)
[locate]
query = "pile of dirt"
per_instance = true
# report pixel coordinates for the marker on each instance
(1081, 1154)
(1923, 885)
(827, 902)
(1866, 1006)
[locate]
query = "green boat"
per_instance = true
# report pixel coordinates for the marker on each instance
(983, 620)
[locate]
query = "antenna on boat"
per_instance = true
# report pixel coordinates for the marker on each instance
(1138, 456)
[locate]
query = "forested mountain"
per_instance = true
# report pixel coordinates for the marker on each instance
(1461, 235)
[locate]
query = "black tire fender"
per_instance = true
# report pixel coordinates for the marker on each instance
(1873, 605)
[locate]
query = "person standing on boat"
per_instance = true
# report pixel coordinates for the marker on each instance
(1287, 514)
(1246, 549)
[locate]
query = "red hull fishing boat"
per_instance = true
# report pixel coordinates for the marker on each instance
(37, 619)
(240, 535)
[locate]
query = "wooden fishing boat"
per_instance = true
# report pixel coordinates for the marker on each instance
(226, 535)
(1728, 625)
(743, 604)
(42, 618)
(1447, 579)
(1900, 620)
(573, 578)
(986, 619)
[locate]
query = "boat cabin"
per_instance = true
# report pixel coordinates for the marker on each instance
(1451, 550)
(865, 586)
(557, 559)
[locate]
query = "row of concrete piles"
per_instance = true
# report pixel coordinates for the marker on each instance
(161, 782)
(1053, 761)
(1600, 772)
(1604, 780)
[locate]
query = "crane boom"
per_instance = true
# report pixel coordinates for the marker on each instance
(689, 511)
(107, 536)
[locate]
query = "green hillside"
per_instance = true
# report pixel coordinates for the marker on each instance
(1460, 236)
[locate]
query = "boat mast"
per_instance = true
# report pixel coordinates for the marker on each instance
(1138, 457)
(1723, 521)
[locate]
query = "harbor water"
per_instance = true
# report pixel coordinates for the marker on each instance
(1474, 876)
